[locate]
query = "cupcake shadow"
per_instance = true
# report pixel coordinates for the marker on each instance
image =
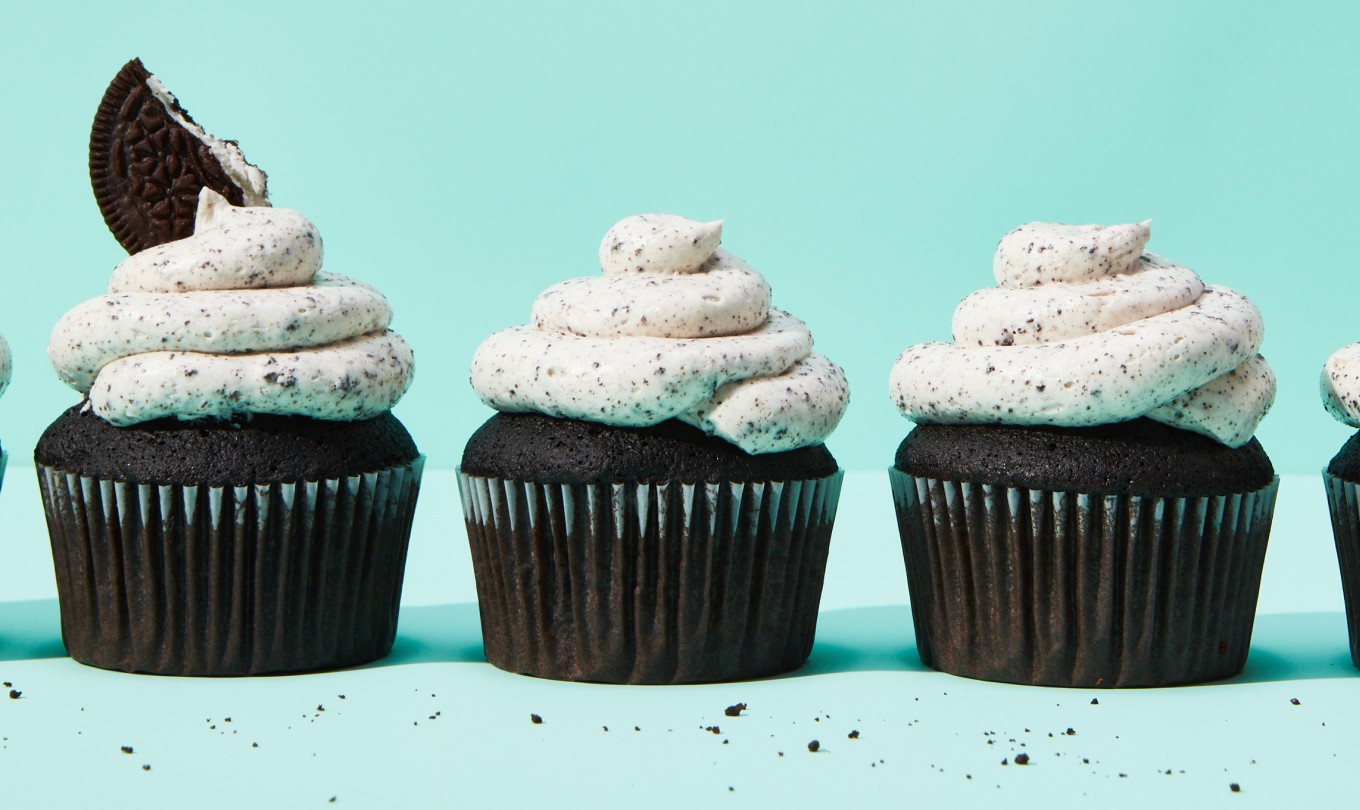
(1284, 647)
(30, 630)
(863, 639)
(427, 634)
(1298, 647)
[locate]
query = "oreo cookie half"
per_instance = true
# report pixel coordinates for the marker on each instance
(149, 160)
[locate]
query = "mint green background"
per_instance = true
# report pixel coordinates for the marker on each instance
(866, 158)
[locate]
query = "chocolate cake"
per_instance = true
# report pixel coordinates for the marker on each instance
(247, 450)
(1141, 457)
(549, 450)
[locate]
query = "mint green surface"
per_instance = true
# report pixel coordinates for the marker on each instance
(866, 157)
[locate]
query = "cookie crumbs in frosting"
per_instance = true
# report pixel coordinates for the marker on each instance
(1086, 329)
(676, 328)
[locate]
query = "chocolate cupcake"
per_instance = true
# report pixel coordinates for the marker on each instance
(1082, 502)
(1341, 477)
(6, 367)
(654, 501)
(232, 495)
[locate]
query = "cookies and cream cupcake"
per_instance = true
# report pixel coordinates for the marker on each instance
(232, 495)
(1340, 386)
(1082, 502)
(653, 502)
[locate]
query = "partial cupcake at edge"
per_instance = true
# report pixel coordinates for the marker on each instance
(1340, 387)
(231, 495)
(653, 503)
(6, 369)
(1082, 501)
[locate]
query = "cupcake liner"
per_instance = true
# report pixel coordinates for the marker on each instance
(1072, 589)
(1343, 499)
(226, 580)
(649, 583)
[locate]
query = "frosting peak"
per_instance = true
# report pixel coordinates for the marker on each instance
(231, 248)
(676, 328)
(237, 318)
(658, 243)
(1086, 329)
(1045, 253)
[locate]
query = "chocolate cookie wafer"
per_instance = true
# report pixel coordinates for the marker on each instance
(149, 160)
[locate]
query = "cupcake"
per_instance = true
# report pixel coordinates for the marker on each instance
(653, 503)
(231, 495)
(1341, 397)
(6, 367)
(1082, 501)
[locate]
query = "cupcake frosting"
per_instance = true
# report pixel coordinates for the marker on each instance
(675, 328)
(1085, 328)
(238, 318)
(1341, 385)
(6, 364)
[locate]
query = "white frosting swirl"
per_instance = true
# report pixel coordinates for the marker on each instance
(1086, 329)
(1340, 385)
(6, 364)
(235, 319)
(677, 328)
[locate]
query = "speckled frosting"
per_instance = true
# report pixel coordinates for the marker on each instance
(1086, 329)
(676, 328)
(236, 319)
(6, 364)
(1340, 385)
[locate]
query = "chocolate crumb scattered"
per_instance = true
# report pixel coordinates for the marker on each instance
(14, 694)
(1095, 701)
(8, 684)
(342, 697)
(1005, 762)
(735, 710)
(1070, 732)
(606, 728)
(535, 719)
(320, 708)
(814, 746)
(713, 729)
(1022, 759)
(146, 766)
(126, 749)
(1295, 701)
(1234, 787)
(854, 735)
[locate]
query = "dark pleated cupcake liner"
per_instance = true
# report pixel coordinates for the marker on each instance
(1071, 589)
(1343, 499)
(213, 580)
(649, 583)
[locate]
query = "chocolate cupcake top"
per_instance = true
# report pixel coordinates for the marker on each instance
(237, 318)
(1085, 328)
(676, 328)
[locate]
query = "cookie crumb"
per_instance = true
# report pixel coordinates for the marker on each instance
(1022, 759)
(735, 710)
(14, 694)
(1234, 787)
(146, 767)
(814, 746)
(535, 719)
(1095, 701)
(126, 749)
(854, 734)
(1295, 701)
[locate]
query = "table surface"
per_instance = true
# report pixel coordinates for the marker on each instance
(434, 722)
